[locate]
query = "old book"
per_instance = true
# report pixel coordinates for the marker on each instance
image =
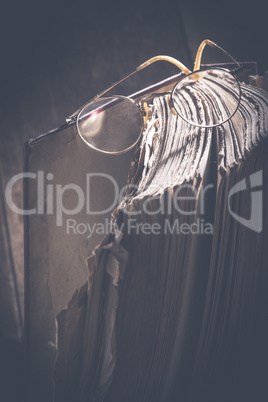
(173, 302)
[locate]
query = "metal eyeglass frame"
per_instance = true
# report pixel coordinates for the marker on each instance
(144, 109)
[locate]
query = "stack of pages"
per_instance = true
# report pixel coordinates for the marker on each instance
(176, 304)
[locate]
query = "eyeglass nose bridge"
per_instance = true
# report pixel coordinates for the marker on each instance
(145, 112)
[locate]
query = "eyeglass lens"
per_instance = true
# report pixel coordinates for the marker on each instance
(111, 124)
(207, 98)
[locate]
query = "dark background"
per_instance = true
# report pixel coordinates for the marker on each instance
(57, 55)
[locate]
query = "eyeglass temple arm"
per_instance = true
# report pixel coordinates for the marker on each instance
(210, 43)
(140, 67)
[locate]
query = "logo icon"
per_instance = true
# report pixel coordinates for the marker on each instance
(255, 221)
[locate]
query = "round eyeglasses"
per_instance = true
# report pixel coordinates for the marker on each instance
(203, 98)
